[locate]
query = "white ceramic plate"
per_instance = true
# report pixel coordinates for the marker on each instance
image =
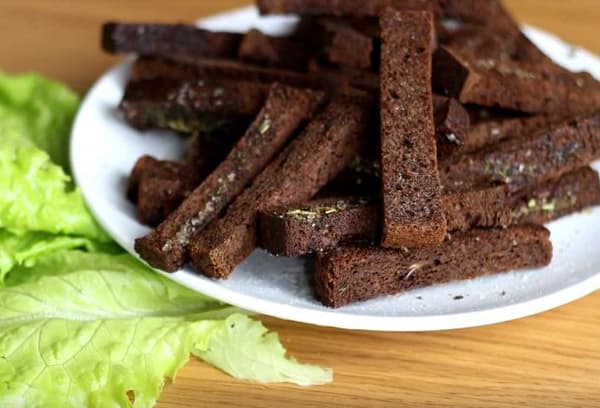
(104, 149)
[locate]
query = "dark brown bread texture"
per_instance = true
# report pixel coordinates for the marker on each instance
(487, 42)
(324, 224)
(318, 225)
(340, 7)
(346, 46)
(496, 128)
(484, 208)
(344, 77)
(323, 149)
(488, 31)
(360, 178)
(526, 161)
(537, 204)
(284, 111)
(487, 15)
(575, 191)
(482, 12)
(512, 85)
(367, 25)
(172, 40)
(148, 166)
(190, 106)
(223, 69)
(490, 126)
(204, 152)
(501, 39)
(280, 52)
(158, 198)
(481, 41)
(363, 175)
(412, 208)
(334, 81)
(353, 274)
(452, 123)
(161, 186)
(497, 22)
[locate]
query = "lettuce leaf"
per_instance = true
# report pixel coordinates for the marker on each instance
(39, 110)
(25, 248)
(36, 194)
(103, 330)
(100, 363)
(245, 349)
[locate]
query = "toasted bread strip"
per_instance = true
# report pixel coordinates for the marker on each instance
(573, 192)
(284, 111)
(412, 207)
(360, 178)
(482, 12)
(325, 147)
(204, 152)
(318, 225)
(148, 68)
(148, 166)
(495, 21)
(340, 7)
(346, 46)
(367, 25)
(190, 106)
(278, 52)
(539, 203)
(512, 85)
(169, 40)
(497, 128)
(489, 32)
(452, 125)
(481, 41)
(353, 274)
(528, 160)
(158, 198)
(161, 186)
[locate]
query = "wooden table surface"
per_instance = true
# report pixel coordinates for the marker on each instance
(550, 360)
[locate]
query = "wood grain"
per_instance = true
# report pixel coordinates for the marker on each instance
(550, 360)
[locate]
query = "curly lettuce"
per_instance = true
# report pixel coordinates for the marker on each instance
(40, 111)
(26, 248)
(104, 330)
(37, 195)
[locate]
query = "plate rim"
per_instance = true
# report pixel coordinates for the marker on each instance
(332, 317)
